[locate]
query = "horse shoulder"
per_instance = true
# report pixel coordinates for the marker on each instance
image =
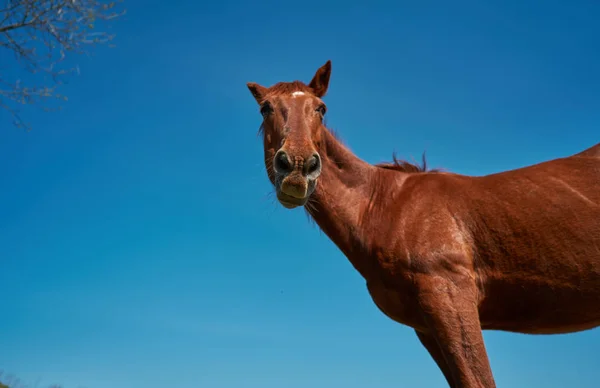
(434, 229)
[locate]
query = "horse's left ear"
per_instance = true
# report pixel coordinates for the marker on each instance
(320, 81)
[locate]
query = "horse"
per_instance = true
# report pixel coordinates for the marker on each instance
(446, 254)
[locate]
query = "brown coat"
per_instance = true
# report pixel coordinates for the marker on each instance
(446, 254)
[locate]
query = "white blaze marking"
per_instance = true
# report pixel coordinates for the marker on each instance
(296, 94)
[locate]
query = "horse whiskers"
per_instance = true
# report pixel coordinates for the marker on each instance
(311, 205)
(268, 195)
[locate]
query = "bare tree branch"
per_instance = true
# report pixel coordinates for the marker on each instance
(40, 34)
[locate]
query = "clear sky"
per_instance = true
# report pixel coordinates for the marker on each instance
(140, 245)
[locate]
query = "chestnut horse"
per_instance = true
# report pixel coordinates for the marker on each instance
(446, 254)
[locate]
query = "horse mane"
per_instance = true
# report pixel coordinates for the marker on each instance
(405, 166)
(396, 164)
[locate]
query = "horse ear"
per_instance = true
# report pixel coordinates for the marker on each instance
(320, 81)
(259, 92)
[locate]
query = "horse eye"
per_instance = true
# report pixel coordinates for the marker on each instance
(322, 110)
(266, 109)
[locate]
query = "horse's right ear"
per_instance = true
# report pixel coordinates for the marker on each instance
(258, 92)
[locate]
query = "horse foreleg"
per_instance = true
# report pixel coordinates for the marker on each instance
(430, 343)
(449, 308)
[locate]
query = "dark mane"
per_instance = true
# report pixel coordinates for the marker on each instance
(405, 166)
(396, 164)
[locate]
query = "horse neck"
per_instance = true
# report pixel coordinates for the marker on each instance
(342, 194)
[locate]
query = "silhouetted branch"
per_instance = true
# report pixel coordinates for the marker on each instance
(40, 33)
(11, 381)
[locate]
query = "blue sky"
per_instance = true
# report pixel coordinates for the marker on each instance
(140, 246)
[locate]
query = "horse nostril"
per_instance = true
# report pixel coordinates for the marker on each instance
(313, 166)
(282, 163)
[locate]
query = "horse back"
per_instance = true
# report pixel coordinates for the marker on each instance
(592, 152)
(536, 244)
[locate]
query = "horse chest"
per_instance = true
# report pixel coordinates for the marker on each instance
(396, 304)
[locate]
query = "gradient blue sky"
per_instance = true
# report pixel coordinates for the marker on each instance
(139, 244)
